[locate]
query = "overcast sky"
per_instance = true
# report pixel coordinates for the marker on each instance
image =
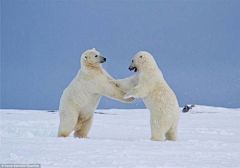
(195, 43)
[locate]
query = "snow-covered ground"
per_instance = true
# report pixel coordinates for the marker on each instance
(209, 137)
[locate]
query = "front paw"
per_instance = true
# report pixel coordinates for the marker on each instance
(127, 96)
(129, 99)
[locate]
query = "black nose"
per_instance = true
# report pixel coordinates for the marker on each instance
(104, 59)
(131, 68)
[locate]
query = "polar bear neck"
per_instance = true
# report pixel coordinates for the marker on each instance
(89, 68)
(154, 72)
(148, 67)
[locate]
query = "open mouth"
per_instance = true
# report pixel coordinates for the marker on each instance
(133, 68)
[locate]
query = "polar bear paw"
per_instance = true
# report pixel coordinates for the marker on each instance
(128, 96)
(129, 99)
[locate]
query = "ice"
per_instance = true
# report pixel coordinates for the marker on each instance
(208, 137)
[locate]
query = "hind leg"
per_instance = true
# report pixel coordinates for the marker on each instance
(67, 123)
(171, 135)
(158, 136)
(157, 133)
(84, 129)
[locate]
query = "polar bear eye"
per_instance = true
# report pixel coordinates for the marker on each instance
(85, 57)
(96, 55)
(141, 56)
(132, 60)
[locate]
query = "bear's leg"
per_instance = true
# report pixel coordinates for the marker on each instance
(157, 133)
(158, 136)
(85, 128)
(67, 124)
(157, 128)
(171, 135)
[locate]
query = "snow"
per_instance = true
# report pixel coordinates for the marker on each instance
(208, 138)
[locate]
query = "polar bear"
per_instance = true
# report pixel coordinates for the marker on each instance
(80, 99)
(158, 97)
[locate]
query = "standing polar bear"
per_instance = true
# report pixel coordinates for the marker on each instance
(159, 98)
(80, 99)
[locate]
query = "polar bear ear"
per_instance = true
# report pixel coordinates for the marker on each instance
(94, 49)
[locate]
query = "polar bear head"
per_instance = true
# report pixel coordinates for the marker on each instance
(142, 60)
(92, 58)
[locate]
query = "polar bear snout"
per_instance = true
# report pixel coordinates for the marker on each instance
(132, 67)
(102, 59)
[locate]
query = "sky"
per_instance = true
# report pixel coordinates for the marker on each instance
(196, 45)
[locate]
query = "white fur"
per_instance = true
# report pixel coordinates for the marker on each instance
(80, 99)
(158, 97)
